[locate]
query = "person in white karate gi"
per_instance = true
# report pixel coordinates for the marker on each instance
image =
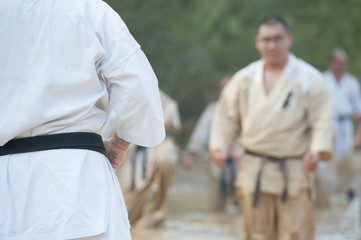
(221, 180)
(344, 91)
(56, 173)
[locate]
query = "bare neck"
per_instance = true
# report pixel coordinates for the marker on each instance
(337, 75)
(276, 66)
(271, 75)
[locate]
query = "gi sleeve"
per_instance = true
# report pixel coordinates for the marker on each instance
(171, 113)
(175, 117)
(320, 120)
(226, 121)
(356, 98)
(198, 143)
(132, 84)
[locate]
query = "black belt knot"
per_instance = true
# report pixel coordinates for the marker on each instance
(283, 168)
(343, 118)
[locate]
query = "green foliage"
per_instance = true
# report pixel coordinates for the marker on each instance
(191, 44)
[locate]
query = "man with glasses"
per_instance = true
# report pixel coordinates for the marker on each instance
(279, 105)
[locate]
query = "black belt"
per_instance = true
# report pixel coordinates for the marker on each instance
(283, 168)
(75, 140)
(343, 118)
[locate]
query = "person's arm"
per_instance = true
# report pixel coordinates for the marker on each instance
(133, 87)
(198, 142)
(357, 139)
(131, 83)
(115, 150)
(189, 159)
(134, 98)
(356, 105)
(172, 119)
(321, 127)
(226, 124)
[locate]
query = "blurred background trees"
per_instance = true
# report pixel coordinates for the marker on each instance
(191, 44)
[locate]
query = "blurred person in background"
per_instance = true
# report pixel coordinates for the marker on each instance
(56, 173)
(344, 92)
(280, 108)
(150, 171)
(221, 180)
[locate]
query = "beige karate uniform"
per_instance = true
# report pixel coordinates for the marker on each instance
(294, 118)
(134, 185)
(159, 170)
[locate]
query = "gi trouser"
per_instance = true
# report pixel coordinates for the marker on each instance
(221, 185)
(151, 214)
(135, 201)
(274, 219)
(344, 170)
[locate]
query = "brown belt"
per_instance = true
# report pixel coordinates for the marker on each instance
(283, 168)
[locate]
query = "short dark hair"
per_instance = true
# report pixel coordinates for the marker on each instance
(273, 20)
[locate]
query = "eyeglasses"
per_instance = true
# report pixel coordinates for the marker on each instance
(277, 39)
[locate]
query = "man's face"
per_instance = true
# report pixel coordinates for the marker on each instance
(338, 64)
(273, 43)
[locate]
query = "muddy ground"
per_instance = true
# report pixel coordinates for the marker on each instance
(188, 216)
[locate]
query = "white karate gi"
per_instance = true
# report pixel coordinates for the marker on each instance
(198, 142)
(346, 102)
(51, 53)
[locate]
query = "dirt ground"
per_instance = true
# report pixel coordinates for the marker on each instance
(188, 217)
